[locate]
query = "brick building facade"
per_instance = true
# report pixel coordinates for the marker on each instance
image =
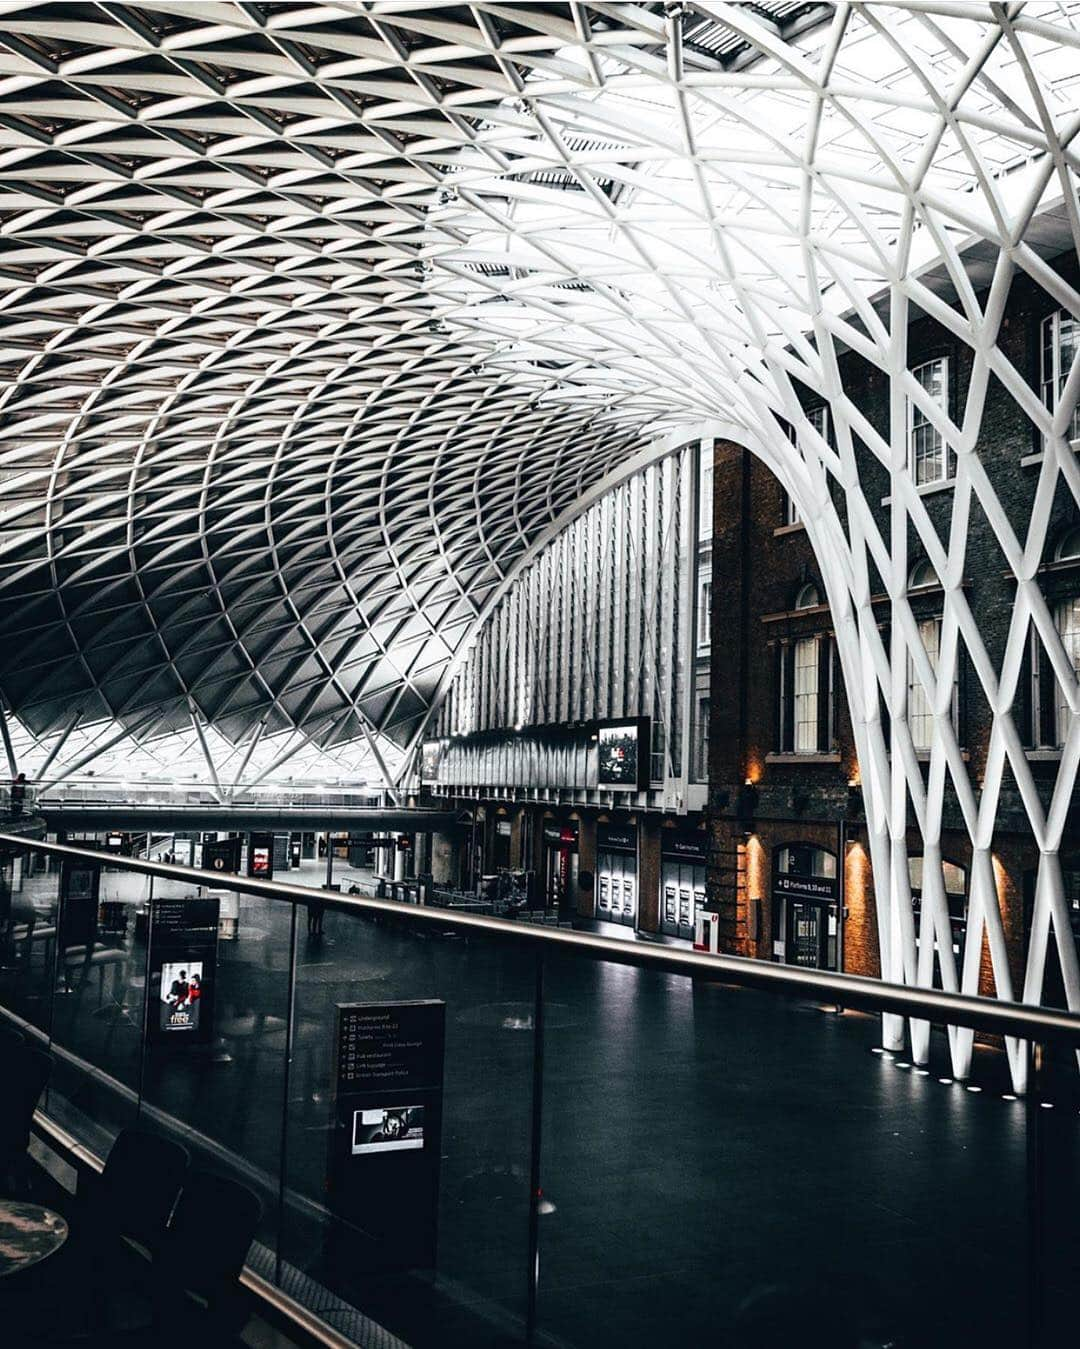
(791, 875)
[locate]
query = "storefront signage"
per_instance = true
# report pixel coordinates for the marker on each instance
(384, 1178)
(688, 848)
(616, 838)
(183, 969)
(561, 835)
(823, 888)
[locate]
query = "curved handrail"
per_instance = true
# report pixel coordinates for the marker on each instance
(1023, 1020)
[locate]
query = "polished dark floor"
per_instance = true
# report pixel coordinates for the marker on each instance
(700, 1144)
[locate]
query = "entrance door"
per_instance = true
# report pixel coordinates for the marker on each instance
(806, 934)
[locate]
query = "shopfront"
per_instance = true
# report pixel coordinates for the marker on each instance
(617, 873)
(500, 844)
(682, 881)
(560, 865)
(805, 906)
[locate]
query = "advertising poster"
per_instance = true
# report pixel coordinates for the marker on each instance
(183, 968)
(623, 754)
(261, 856)
(384, 1168)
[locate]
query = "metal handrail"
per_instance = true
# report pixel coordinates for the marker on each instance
(1022, 1020)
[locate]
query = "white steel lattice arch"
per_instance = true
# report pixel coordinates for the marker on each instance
(318, 318)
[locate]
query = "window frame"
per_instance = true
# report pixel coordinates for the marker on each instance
(823, 662)
(913, 412)
(1051, 385)
(915, 688)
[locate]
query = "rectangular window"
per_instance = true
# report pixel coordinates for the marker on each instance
(704, 621)
(819, 419)
(705, 498)
(928, 454)
(920, 713)
(1060, 340)
(1067, 619)
(919, 705)
(806, 696)
(804, 684)
(702, 765)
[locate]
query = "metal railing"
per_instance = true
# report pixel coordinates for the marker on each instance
(274, 1016)
(1022, 1020)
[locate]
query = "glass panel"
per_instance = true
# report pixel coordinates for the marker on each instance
(217, 1017)
(98, 1000)
(28, 904)
(729, 1156)
(358, 1215)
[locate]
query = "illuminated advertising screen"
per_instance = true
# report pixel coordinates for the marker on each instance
(623, 754)
(181, 995)
(431, 752)
(388, 1128)
(261, 856)
(182, 967)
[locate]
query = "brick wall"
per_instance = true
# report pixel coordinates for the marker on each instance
(758, 567)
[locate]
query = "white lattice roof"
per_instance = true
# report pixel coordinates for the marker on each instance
(316, 317)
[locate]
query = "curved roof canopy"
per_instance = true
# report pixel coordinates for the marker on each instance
(317, 317)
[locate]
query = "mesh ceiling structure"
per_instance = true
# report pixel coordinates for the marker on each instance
(318, 319)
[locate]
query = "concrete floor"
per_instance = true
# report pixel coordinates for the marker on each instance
(700, 1143)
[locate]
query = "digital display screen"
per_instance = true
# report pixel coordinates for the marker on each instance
(430, 757)
(619, 754)
(391, 1128)
(181, 995)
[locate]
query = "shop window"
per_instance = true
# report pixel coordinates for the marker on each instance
(954, 879)
(617, 874)
(1057, 350)
(929, 458)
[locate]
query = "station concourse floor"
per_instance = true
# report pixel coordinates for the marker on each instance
(701, 1142)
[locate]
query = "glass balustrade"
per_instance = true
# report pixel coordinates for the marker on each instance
(477, 1133)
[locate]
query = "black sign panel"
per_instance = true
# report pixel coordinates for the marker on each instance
(616, 838)
(684, 847)
(825, 889)
(623, 753)
(221, 855)
(183, 970)
(384, 1172)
